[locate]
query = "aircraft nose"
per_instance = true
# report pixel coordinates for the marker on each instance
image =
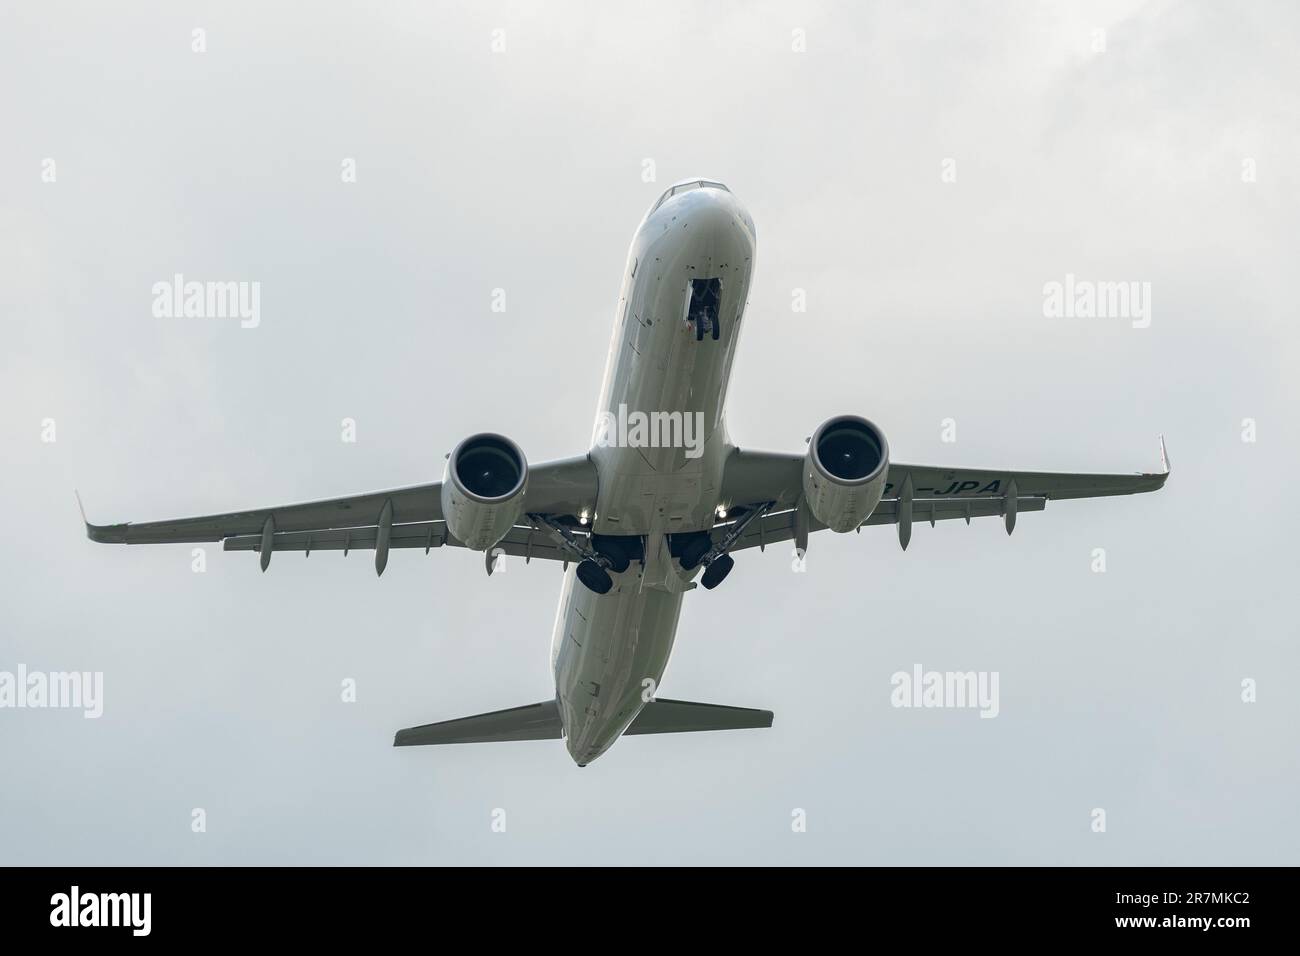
(712, 210)
(711, 221)
(706, 207)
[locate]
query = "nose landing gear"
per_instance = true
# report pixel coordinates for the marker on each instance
(703, 309)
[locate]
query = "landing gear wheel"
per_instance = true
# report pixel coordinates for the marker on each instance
(716, 326)
(595, 577)
(694, 552)
(717, 571)
(699, 328)
(616, 555)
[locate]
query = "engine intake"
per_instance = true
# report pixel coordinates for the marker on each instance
(844, 471)
(483, 489)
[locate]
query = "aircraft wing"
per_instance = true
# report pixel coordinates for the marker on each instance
(413, 503)
(561, 488)
(935, 482)
(934, 493)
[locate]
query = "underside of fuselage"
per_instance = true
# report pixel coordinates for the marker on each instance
(659, 450)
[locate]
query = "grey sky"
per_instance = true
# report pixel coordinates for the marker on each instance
(522, 170)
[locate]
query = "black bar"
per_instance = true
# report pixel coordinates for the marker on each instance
(440, 906)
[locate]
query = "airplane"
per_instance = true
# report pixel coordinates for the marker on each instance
(654, 504)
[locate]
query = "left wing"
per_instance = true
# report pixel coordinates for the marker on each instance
(522, 541)
(413, 503)
(562, 488)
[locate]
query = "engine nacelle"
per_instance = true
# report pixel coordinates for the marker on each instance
(844, 472)
(483, 489)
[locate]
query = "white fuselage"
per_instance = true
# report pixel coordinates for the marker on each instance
(609, 651)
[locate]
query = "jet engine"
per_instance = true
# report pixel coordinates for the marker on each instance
(483, 489)
(844, 471)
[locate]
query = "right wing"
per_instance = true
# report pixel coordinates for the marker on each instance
(912, 492)
(563, 488)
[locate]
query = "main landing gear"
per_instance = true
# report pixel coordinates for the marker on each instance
(601, 556)
(698, 548)
(610, 554)
(595, 577)
(596, 555)
(693, 551)
(717, 571)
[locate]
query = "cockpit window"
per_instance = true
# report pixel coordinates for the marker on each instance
(687, 187)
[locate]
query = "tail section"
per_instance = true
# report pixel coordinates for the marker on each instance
(542, 722)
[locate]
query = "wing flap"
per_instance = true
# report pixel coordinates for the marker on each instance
(521, 541)
(778, 527)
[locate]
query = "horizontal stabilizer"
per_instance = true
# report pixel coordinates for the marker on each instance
(532, 722)
(682, 716)
(542, 722)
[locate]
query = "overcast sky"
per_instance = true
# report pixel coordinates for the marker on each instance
(1161, 150)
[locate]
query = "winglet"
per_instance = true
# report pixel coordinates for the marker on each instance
(103, 533)
(1164, 455)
